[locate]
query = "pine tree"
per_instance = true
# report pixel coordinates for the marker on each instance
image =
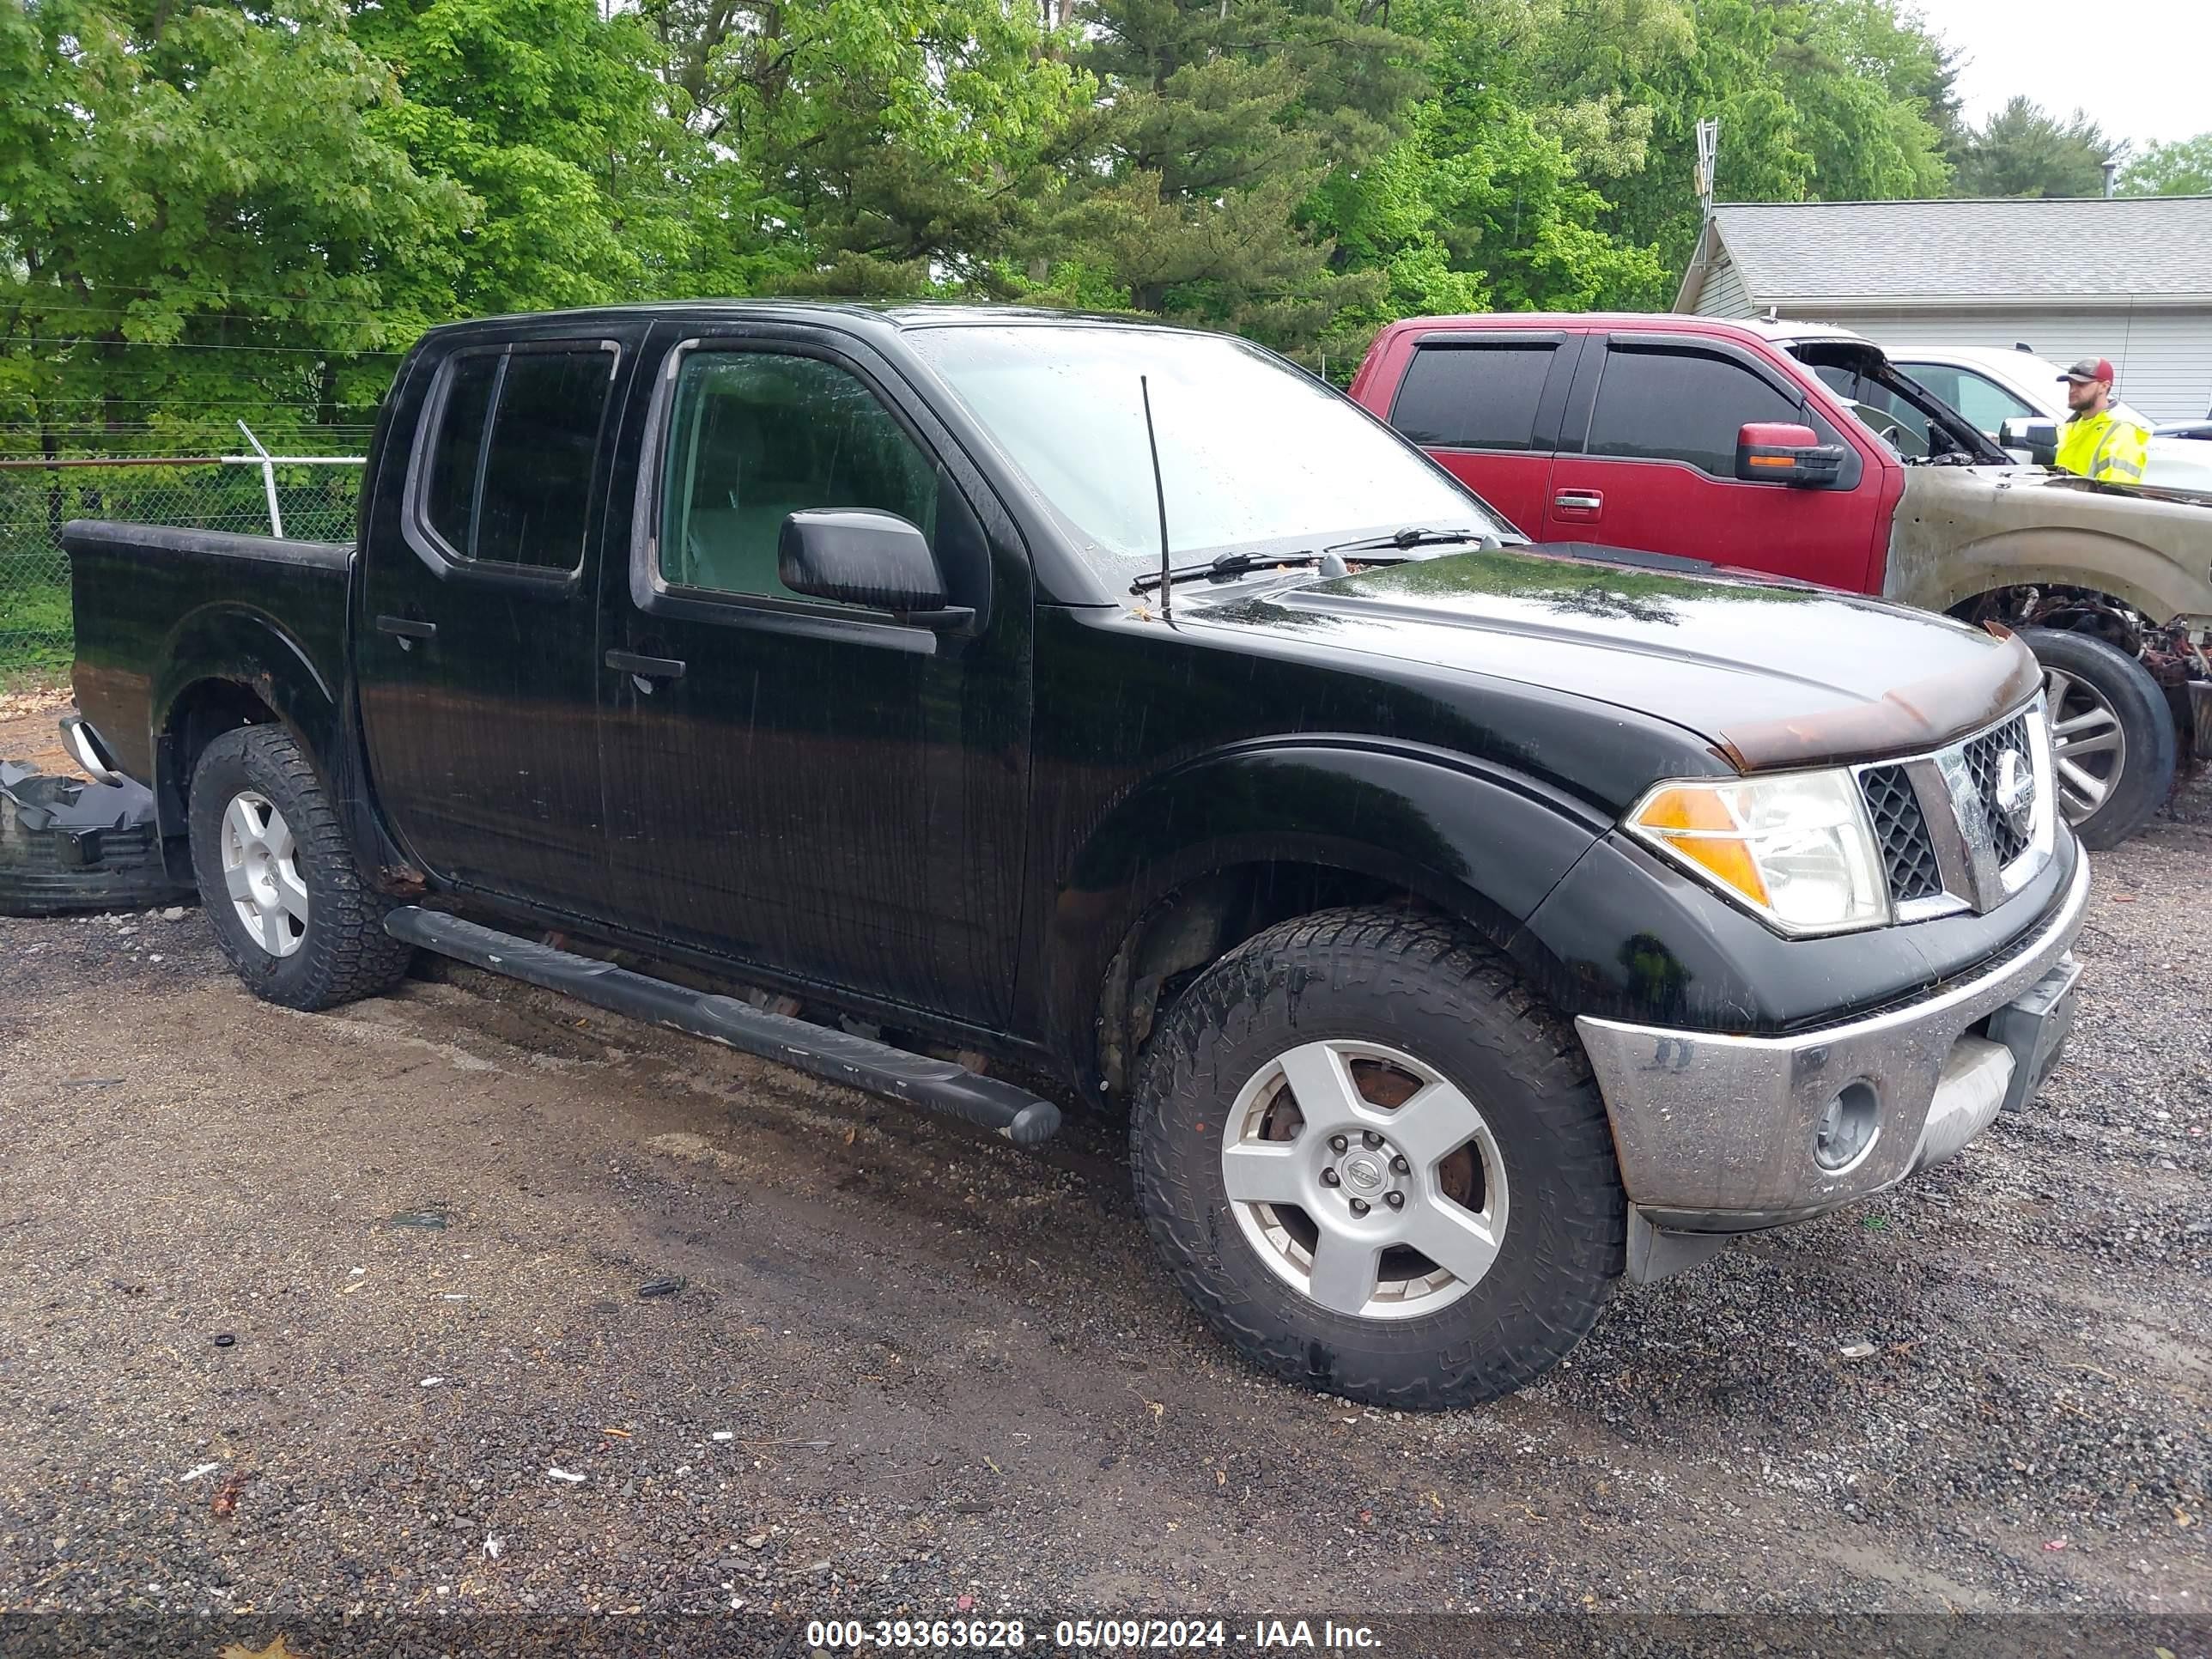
(1185, 191)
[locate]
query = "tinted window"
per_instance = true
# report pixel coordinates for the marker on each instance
(756, 437)
(450, 500)
(1460, 396)
(520, 496)
(1980, 399)
(1880, 410)
(538, 474)
(1680, 406)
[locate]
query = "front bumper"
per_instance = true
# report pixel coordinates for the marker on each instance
(1716, 1134)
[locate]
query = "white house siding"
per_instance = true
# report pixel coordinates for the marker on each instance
(1722, 295)
(2163, 354)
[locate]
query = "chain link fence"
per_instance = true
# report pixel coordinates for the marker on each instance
(317, 503)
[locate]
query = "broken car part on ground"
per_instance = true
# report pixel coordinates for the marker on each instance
(69, 845)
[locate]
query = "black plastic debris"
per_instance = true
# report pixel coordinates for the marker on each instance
(652, 1287)
(67, 845)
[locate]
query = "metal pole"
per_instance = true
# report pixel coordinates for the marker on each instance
(268, 481)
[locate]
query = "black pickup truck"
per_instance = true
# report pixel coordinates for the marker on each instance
(1462, 926)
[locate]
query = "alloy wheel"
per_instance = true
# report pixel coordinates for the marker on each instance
(1366, 1180)
(261, 872)
(2089, 747)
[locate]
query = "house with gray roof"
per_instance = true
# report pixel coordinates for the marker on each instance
(2126, 277)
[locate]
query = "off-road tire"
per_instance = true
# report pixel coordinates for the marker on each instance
(346, 954)
(2146, 723)
(1422, 986)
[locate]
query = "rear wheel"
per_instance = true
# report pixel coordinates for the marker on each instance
(2113, 739)
(279, 881)
(1377, 1163)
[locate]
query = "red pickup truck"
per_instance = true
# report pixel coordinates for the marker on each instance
(1797, 449)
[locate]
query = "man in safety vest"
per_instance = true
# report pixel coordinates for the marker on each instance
(2098, 442)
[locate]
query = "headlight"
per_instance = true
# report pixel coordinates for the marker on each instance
(1796, 849)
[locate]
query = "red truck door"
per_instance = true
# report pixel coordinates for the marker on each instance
(1485, 403)
(1647, 462)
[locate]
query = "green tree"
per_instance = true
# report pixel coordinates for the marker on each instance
(886, 147)
(1817, 101)
(1873, 96)
(1494, 197)
(1184, 189)
(2181, 168)
(549, 117)
(174, 179)
(2024, 150)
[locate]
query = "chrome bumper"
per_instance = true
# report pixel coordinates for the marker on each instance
(1715, 1133)
(87, 750)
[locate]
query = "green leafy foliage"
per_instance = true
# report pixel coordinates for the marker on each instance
(308, 184)
(183, 180)
(2024, 150)
(2181, 168)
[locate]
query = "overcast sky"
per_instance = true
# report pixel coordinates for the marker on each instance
(2142, 68)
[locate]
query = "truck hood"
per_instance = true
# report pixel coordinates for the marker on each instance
(1770, 674)
(1961, 531)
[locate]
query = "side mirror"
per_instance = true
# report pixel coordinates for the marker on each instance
(1780, 452)
(857, 556)
(2037, 440)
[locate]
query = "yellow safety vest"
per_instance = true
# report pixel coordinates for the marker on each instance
(2104, 448)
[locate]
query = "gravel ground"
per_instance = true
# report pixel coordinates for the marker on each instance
(344, 1313)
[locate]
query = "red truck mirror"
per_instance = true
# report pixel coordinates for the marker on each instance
(1781, 451)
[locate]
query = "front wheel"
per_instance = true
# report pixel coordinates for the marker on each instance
(278, 878)
(2112, 740)
(1377, 1164)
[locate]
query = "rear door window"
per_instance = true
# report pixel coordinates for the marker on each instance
(1666, 403)
(511, 465)
(451, 502)
(1472, 395)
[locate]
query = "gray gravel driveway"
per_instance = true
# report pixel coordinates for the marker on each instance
(344, 1313)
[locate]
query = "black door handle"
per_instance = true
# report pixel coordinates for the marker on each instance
(407, 628)
(646, 668)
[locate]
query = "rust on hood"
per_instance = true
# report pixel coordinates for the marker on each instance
(1922, 714)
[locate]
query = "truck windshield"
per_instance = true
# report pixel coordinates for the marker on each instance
(1253, 453)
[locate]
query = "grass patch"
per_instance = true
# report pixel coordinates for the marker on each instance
(36, 633)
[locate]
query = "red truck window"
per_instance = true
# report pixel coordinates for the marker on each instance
(1671, 405)
(1472, 395)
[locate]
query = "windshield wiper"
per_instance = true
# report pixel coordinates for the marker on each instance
(1416, 536)
(1223, 565)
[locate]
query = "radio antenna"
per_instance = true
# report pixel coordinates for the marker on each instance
(1160, 498)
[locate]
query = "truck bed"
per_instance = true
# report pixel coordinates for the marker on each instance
(201, 605)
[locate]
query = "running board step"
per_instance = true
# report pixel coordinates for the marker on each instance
(832, 1055)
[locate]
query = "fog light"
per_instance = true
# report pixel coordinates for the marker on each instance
(1846, 1128)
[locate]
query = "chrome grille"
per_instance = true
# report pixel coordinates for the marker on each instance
(1907, 852)
(1982, 754)
(1939, 819)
